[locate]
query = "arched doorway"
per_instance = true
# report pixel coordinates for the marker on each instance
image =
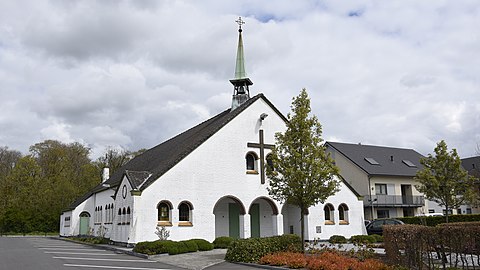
(291, 220)
(263, 217)
(229, 212)
(84, 223)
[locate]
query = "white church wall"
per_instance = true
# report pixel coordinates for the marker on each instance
(88, 206)
(355, 216)
(102, 199)
(123, 223)
(213, 170)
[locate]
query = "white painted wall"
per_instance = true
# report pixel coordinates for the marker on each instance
(356, 224)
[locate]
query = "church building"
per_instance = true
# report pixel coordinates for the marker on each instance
(209, 181)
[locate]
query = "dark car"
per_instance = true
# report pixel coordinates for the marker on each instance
(376, 226)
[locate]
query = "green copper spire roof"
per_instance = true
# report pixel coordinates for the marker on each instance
(240, 64)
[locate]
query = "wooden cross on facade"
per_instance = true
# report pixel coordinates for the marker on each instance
(262, 147)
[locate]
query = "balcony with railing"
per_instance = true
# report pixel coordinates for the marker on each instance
(393, 201)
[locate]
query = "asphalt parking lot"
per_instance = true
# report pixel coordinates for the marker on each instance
(44, 253)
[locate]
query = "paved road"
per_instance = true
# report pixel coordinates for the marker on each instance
(31, 253)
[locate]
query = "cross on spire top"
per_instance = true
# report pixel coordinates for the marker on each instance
(240, 22)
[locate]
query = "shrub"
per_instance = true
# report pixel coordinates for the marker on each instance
(190, 245)
(223, 242)
(203, 245)
(337, 239)
(415, 246)
(252, 249)
(377, 238)
(151, 248)
(435, 220)
(362, 239)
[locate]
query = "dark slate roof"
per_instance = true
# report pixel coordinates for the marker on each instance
(472, 165)
(137, 178)
(359, 153)
(161, 158)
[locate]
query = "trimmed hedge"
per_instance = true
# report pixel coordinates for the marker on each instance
(203, 245)
(420, 247)
(223, 242)
(172, 247)
(252, 249)
(435, 220)
(337, 239)
(366, 239)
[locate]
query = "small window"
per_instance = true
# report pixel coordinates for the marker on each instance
(409, 163)
(251, 160)
(329, 214)
(185, 214)
(164, 215)
(128, 215)
(343, 213)
(381, 189)
(372, 161)
(383, 214)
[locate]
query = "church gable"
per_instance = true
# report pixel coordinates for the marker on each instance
(159, 159)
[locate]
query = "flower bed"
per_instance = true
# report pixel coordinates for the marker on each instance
(328, 260)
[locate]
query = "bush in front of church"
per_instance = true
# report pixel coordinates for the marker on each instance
(252, 249)
(172, 247)
(203, 245)
(223, 242)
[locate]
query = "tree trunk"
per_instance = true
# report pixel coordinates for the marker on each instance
(446, 213)
(302, 228)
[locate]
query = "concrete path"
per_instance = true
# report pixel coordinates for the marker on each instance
(195, 261)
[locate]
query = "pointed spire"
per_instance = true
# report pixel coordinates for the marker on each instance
(241, 82)
(240, 64)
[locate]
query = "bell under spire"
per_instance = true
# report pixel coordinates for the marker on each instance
(241, 82)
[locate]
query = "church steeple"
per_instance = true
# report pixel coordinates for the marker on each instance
(241, 82)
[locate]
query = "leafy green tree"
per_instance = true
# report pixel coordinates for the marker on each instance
(115, 158)
(443, 179)
(303, 173)
(8, 159)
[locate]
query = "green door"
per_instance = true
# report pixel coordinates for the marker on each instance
(234, 220)
(255, 220)
(84, 222)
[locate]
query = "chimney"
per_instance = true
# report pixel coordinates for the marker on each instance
(105, 174)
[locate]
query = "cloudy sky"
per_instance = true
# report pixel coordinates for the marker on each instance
(135, 73)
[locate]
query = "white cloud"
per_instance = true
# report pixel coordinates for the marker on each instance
(134, 73)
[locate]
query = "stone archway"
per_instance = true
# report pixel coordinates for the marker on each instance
(229, 214)
(291, 220)
(263, 217)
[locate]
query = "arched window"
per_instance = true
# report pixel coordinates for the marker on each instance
(128, 215)
(251, 162)
(107, 213)
(124, 215)
(112, 210)
(185, 213)
(100, 215)
(329, 214)
(119, 216)
(164, 216)
(343, 213)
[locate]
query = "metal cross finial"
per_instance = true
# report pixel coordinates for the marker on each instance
(240, 22)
